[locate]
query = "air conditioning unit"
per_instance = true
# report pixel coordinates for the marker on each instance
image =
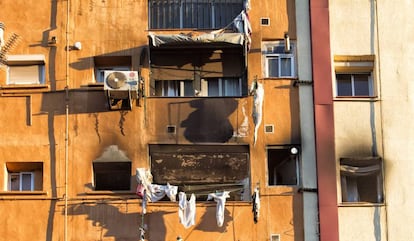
(121, 87)
(121, 80)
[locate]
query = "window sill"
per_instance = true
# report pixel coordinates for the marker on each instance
(360, 204)
(93, 86)
(22, 193)
(24, 88)
(110, 193)
(281, 78)
(357, 98)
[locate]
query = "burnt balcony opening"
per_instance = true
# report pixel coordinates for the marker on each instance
(184, 66)
(202, 169)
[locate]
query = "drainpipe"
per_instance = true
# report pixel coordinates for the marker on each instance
(308, 156)
(66, 122)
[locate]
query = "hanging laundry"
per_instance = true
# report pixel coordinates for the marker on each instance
(258, 95)
(187, 209)
(220, 198)
(2, 43)
(157, 192)
(140, 190)
(256, 205)
(154, 192)
(144, 204)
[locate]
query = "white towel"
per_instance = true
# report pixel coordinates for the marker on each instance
(187, 209)
(220, 198)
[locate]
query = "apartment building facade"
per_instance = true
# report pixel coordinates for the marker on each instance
(205, 105)
(372, 109)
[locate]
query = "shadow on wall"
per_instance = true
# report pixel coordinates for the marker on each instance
(108, 220)
(114, 220)
(209, 122)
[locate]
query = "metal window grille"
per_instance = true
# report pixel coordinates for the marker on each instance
(198, 14)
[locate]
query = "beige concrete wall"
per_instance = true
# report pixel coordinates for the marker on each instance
(396, 74)
(374, 27)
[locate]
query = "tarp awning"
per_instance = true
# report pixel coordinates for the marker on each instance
(158, 40)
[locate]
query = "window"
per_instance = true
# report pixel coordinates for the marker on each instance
(361, 180)
(354, 75)
(358, 84)
(174, 88)
(282, 166)
(206, 87)
(105, 63)
(202, 169)
(25, 69)
(200, 14)
(278, 61)
(112, 176)
(224, 87)
(24, 176)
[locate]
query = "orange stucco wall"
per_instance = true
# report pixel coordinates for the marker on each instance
(34, 122)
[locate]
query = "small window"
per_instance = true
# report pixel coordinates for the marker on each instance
(357, 84)
(361, 180)
(25, 69)
(282, 166)
(279, 61)
(24, 176)
(112, 176)
(354, 75)
(105, 63)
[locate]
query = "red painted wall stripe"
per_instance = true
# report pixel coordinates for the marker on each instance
(324, 121)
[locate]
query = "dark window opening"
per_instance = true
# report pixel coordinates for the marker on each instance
(361, 180)
(112, 176)
(282, 167)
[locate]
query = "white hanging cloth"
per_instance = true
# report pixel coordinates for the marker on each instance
(186, 209)
(256, 205)
(220, 199)
(155, 192)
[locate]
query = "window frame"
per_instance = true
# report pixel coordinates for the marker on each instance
(353, 88)
(20, 174)
(274, 54)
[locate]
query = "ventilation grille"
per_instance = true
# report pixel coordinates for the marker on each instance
(275, 237)
(265, 21)
(269, 128)
(171, 129)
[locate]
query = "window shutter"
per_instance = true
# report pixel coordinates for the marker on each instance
(30, 74)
